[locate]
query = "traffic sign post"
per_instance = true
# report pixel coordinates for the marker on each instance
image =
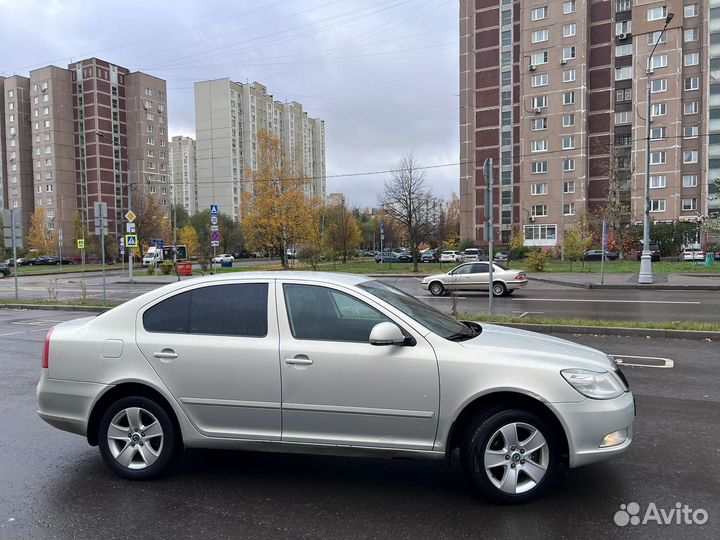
(214, 230)
(131, 241)
(101, 229)
(382, 238)
(604, 251)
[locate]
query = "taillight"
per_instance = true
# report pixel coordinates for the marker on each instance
(46, 350)
(520, 277)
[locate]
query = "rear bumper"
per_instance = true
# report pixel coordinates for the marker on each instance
(66, 405)
(586, 424)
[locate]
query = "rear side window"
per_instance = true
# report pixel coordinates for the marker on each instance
(223, 310)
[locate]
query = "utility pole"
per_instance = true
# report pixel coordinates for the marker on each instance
(131, 253)
(562, 212)
(489, 230)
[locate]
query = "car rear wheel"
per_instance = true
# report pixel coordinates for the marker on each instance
(436, 288)
(510, 456)
(137, 438)
(499, 288)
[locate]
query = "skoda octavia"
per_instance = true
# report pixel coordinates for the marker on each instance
(329, 363)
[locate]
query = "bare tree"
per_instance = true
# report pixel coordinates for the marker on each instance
(407, 199)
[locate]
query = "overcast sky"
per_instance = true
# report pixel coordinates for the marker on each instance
(383, 74)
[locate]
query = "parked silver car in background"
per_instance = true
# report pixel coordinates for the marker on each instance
(329, 363)
(476, 277)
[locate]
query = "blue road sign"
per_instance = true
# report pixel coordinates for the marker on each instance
(213, 209)
(382, 225)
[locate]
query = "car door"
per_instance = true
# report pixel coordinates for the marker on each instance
(460, 279)
(479, 276)
(215, 347)
(339, 389)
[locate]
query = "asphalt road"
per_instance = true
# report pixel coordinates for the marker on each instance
(538, 299)
(53, 485)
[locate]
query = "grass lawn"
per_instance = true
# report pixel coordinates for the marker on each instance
(662, 267)
(46, 270)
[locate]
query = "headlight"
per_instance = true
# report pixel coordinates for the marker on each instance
(593, 384)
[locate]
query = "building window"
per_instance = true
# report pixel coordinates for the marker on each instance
(623, 27)
(568, 143)
(658, 182)
(690, 107)
(568, 120)
(11, 93)
(568, 98)
(692, 83)
(658, 85)
(540, 145)
(569, 165)
(689, 204)
(539, 102)
(150, 141)
(691, 132)
(506, 158)
(539, 124)
(659, 109)
(691, 59)
(569, 209)
(657, 205)
(536, 234)
(507, 78)
(539, 13)
(657, 133)
(569, 186)
(506, 38)
(150, 128)
(505, 137)
(506, 17)
(690, 180)
(653, 37)
(539, 210)
(658, 158)
(623, 73)
(48, 149)
(624, 50)
(506, 98)
(657, 13)
(149, 116)
(569, 75)
(569, 30)
(11, 105)
(568, 53)
(539, 167)
(539, 189)
(691, 10)
(690, 156)
(659, 61)
(539, 58)
(46, 123)
(623, 5)
(691, 34)
(46, 110)
(506, 57)
(540, 80)
(506, 197)
(568, 7)
(506, 118)
(539, 36)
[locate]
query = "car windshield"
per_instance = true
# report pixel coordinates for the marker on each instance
(443, 325)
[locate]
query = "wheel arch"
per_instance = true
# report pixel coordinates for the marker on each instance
(123, 390)
(504, 399)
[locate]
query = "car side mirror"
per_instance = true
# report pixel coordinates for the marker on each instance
(386, 333)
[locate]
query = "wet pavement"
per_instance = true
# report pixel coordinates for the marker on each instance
(53, 485)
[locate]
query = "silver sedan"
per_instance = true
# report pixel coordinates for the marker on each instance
(475, 276)
(329, 363)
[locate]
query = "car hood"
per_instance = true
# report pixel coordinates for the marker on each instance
(513, 342)
(434, 276)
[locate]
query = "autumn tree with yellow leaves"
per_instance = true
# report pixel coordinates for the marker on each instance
(188, 237)
(277, 214)
(342, 233)
(38, 236)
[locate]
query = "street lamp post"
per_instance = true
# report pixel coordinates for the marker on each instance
(645, 276)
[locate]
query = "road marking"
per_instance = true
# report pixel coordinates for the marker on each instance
(444, 297)
(643, 361)
(601, 301)
(523, 313)
(24, 332)
(36, 322)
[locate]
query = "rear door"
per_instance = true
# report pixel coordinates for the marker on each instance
(479, 276)
(215, 347)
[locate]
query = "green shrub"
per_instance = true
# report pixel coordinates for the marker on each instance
(150, 270)
(166, 268)
(204, 264)
(537, 260)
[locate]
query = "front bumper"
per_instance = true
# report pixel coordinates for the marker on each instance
(66, 405)
(586, 424)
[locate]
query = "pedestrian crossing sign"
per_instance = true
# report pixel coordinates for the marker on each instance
(81, 243)
(131, 240)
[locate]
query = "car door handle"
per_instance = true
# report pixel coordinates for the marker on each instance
(300, 361)
(166, 354)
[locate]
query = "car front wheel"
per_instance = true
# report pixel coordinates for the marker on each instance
(510, 456)
(499, 289)
(436, 288)
(137, 438)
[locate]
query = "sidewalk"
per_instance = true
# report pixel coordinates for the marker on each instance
(626, 280)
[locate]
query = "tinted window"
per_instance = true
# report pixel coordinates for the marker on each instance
(171, 315)
(225, 310)
(464, 269)
(324, 314)
(481, 268)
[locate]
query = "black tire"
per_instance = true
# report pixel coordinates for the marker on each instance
(167, 451)
(436, 288)
(510, 291)
(499, 288)
(483, 434)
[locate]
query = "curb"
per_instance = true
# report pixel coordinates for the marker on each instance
(533, 327)
(627, 287)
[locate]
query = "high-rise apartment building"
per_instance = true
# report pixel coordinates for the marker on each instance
(228, 117)
(183, 171)
(89, 133)
(555, 91)
(713, 122)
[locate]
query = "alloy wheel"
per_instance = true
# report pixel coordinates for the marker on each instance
(516, 458)
(135, 438)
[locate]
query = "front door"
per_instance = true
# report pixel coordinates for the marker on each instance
(216, 349)
(339, 389)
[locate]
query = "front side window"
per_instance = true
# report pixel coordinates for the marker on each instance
(225, 310)
(320, 313)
